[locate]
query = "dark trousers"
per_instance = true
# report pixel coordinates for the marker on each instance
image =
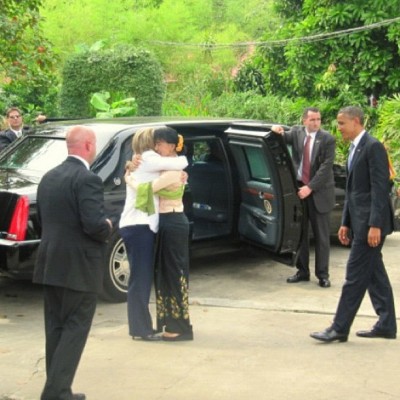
(366, 271)
(139, 242)
(172, 274)
(68, 316)
(320, 224)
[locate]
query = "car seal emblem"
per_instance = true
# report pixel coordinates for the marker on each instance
(268, 206)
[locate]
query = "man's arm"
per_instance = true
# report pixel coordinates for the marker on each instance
(325, 168)
(91, 208)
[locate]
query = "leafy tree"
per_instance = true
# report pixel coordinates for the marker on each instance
(26, 58)
(366, 61)
(388, 128)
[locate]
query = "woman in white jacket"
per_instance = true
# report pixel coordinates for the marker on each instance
(138, 228)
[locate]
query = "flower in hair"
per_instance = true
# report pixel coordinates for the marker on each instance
(179, 146)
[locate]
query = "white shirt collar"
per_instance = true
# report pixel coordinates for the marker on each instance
(358, 138)
(18, 133)
(86, 164)
(312, 134)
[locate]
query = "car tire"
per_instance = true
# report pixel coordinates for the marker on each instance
(117, 271)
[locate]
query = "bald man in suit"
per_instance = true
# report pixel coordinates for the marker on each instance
(70, 259)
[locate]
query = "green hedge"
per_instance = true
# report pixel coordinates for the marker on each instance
(123, 70)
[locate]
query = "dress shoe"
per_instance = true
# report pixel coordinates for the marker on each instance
(325, 283)
(149, 338)
(179, 338)
(329, 335)
(374, 333)
(79, 396)
(297, 278)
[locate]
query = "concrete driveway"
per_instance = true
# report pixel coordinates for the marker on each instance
(251, 340)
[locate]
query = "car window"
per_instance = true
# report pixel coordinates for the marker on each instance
(258, 169)
(42, 153)
(36, 154)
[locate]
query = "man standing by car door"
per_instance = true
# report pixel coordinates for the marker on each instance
(15, 127)
(70, 259)
(313, 154)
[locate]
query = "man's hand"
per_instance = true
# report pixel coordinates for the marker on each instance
(374, 236)
(343, 235)
(277, 129)
(304, 192)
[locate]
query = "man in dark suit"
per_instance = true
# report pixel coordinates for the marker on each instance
(313, 153)
(16, 127)
(367, 219)
(70, 259)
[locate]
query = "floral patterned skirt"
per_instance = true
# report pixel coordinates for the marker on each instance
(172, 274)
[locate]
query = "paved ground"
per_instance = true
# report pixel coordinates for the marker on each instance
(251, 341)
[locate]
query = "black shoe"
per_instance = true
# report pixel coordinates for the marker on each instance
(79, 396)
(374, 333)
(148, 338)
(325, 283)
(297, 278)
(329, 335)
(181, 337)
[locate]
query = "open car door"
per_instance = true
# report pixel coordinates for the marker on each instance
(271, 214)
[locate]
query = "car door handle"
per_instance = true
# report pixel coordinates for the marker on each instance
(260, 216)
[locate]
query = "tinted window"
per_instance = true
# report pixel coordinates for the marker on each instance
(36, 154)
(258, 169)
(40, 154)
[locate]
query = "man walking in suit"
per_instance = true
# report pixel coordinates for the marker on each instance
(367, 219)
(70, 259)
(313, 153)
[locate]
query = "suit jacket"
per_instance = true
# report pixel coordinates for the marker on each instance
(322, 157)
(367, 201)
(74, 228)
(8, 136)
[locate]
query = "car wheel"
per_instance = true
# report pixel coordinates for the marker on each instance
(117, 271)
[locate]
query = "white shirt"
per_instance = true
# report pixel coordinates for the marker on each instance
(357, 139)
(312, 140)
(17, 133)
(149, 169)
(85, 163)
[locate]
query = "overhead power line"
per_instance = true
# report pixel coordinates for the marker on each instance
(279, 43)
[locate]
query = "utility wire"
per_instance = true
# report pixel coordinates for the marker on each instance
(280, 43)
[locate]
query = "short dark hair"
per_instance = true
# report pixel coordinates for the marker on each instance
(353, 112)
(166, 134)
(310, 109)
(11, 109)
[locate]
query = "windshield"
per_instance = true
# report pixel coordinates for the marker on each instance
(36, 154)
(39, 154)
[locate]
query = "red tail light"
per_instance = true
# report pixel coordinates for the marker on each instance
(19, 222)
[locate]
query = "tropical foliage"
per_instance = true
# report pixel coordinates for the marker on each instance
(107, 108)
(27, 62)
(123, 71)
(364, 62)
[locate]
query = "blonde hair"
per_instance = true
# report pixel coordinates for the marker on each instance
(143, 140)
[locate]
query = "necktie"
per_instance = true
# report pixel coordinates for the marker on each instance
(305, 175)
(351, 154)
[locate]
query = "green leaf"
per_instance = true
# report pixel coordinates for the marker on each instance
(99, 101)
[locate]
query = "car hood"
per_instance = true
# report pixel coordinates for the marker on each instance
(19, 182)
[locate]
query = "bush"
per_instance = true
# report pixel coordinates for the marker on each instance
(133, 72)
(254, 106)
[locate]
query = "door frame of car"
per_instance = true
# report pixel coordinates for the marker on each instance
(271, 213)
